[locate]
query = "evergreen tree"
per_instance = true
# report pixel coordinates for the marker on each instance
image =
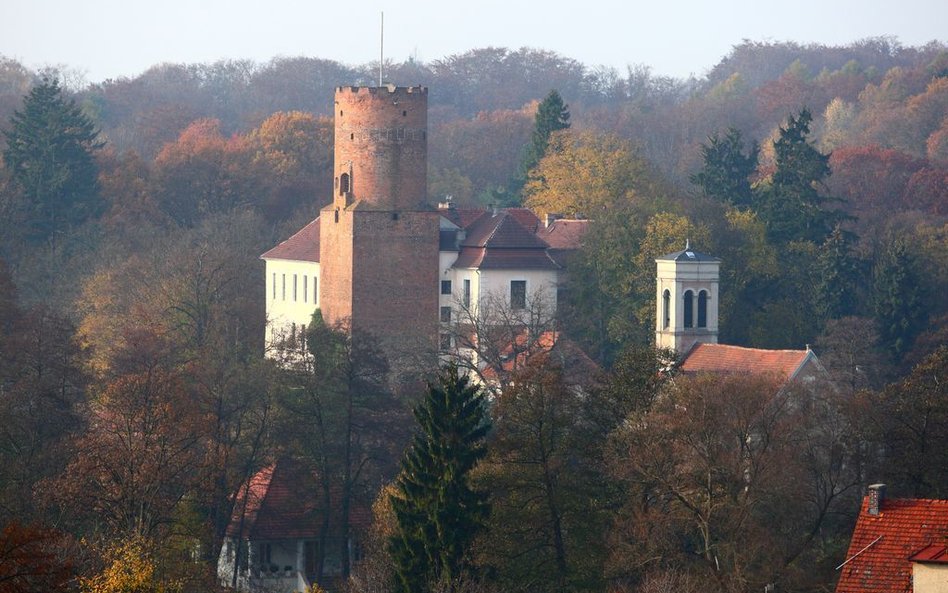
(726, 173)
(438, 513)
(899, 297)
(793, 207)
(552, 115)
(49, 153)
(838, 285)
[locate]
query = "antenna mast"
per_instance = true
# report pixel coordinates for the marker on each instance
(381, 46)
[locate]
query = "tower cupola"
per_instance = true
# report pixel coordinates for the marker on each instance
(686, 299)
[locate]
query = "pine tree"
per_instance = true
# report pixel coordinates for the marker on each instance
(839, 278)
(899, 297)
(552, 115)
(49, 153)
(726, 173)
(438, 513)
(793, 207)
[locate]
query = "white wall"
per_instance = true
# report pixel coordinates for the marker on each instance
(282, 309)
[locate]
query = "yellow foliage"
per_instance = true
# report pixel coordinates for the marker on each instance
(584, 173)
(129, 568)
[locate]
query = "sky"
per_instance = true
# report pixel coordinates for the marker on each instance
(102, 39)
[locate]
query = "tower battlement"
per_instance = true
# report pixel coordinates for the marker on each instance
(384, 91)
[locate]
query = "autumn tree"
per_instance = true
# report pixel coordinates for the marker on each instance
(899, 296)
(35, 558)
(552, 115)
(437, 510)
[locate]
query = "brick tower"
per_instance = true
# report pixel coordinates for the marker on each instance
(379, 237)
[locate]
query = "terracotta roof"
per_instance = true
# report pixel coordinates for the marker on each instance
(462, 217)
(284, 504)
(302, 246)
(505, 259)
(933, 554)
(721, 358)
(887, 541)
(549, 345)
(503, 229)
(564, 233)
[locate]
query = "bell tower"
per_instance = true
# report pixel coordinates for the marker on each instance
(686, 299)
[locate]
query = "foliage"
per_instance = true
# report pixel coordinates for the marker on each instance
(899, 296)
(437, 510)
(727, 171)
(130, 567)
(49, 153)
(552, 115)
(34, 558)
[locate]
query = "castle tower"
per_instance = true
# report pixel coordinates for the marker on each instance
(381, 147)
(379, 237)
(686, 300)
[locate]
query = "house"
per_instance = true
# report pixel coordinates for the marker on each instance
(387, 263)
(898, 546)
(272, 542)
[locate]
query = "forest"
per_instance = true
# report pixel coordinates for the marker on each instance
(135, 399)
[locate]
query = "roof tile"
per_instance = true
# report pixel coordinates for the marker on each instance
(302, 246)
(721, 358)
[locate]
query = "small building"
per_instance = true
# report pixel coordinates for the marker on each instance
(898, 546)
(273, 538)
(788, 365)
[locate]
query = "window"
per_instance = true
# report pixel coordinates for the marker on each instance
(518, 294)
(344, 183)
(445, 342)
(315, 290)
(467, 293)
(446, 314)
(310, 549)
(703, 309)
(666, 309)
(294, 288)
(274, 283)
(264, 553)
(689, 309)
(445, 287)
(305, 288)
(283, 290)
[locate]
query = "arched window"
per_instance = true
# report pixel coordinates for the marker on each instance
(703, 308)
(344, 184)
(666, 309)
(689, 309)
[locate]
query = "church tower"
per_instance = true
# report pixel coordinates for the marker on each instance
(379, 237)
(686, 299)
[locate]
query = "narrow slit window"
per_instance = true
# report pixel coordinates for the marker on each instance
(689, 309)
(305, 288)
(703, 309)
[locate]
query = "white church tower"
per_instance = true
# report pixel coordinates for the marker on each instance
(686, 311)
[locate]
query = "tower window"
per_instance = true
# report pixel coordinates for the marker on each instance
(352, 136)
(404, 113)
(689, 311)
(666, 309)
(518, 294)
(344, 184)
(340, 113)
(703, 309)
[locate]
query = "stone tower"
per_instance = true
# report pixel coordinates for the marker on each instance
(379, 237)
(686, 298)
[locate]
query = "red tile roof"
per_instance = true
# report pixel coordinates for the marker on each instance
(887, 541)
(933, 554)
(500, 241)
(302, 246)
(721, 358)
(284, 503)
(564, 233)
(550, 345)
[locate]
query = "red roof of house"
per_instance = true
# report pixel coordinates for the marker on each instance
(933, 554)
(549, 345)
(500, 241)
(887, 543)
(302, 246)
(721, 358)
(284, 503)
(564, 234)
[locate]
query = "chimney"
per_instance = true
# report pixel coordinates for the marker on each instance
(549, 218)
(876, 498)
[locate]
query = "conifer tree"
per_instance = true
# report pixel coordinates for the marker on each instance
(899, 297)
(438, 513)
(839, 282)
(49, 153)
(726, 173)
(552, 115)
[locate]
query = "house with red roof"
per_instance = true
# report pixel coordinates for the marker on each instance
(282, 536)
(898, 546)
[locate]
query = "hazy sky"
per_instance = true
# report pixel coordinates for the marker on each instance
(112, 38)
